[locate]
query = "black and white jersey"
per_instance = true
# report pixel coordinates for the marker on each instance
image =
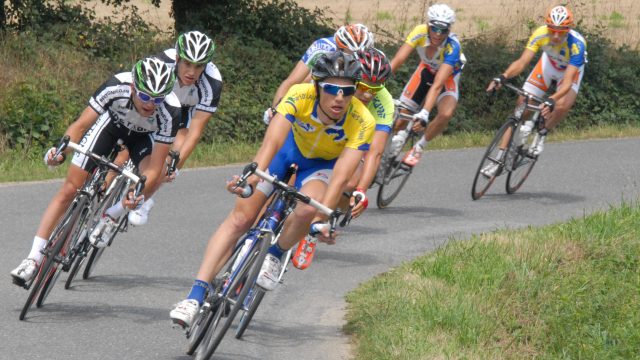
(204, 95)
(115, 97)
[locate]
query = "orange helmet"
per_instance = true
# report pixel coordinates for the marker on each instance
(353, 37)
(559, 17)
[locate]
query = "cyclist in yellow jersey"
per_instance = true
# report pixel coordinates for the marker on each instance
(324, 130)
(563, 60)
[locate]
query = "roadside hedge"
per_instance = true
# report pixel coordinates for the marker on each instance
(51, 73)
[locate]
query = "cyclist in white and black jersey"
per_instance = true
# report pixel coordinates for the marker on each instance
(198, 87)
(137, 107)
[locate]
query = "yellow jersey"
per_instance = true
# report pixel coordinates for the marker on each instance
(317, 140)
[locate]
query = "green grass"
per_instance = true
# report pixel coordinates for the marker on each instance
(16, 166)
(566, 291)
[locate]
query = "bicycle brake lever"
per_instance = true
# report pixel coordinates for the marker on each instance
(62, 145)
(139, 186)
(175, 158)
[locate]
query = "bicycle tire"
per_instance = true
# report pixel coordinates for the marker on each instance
(522, 165)
(247, 316)
(75, 230)
(248, 273)
(201, 323)
(82, 246)
(392, 183)
(53, 247)
(480, 181)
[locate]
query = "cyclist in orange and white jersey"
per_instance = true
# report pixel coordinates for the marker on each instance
(435, 81)
(563, 60)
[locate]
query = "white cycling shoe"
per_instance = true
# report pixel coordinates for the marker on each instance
(269, 273)
(185, 312)
(140, 216)
(25, 271)
(103, 232)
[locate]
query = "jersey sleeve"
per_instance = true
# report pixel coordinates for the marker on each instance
(417, 37)
(577, 51)
(209, 89)
(169, 116)
(382, 109)
(319, 47)
(110, 91)
(452, 53)
(360, 133)
(536, 39)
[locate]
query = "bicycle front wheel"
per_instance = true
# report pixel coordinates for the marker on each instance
(394, 179)
(482, 182)
(49, 266)
(245, 319)
(232, 301)
(521, 168)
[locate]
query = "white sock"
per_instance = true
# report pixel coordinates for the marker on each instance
(38, 244)
(148, 204)
(423, 143)
(116, 211)
(500, 153)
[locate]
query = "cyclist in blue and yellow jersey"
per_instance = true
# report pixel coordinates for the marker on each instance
(198, 87)
(435, 81)
(375, 96)
(323, 129)
(348, 38)
(562, 62)
(138, 107)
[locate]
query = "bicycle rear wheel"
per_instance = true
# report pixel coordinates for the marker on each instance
(48, 266)
(481, 182)
(240, 285)
(201, 324)
(520, 169)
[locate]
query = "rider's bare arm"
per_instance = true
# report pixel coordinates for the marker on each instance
(565, 85)
(372, 159)
(297, 76)
(519, 65)
(444, 72)
(277, 133)
(198, 123)
(401, 56)
(77, 129)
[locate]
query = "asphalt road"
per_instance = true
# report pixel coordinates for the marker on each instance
(122, 313)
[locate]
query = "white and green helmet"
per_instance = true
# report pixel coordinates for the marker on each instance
(195, 47)
(153, 77)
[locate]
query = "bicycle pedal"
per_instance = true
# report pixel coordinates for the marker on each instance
(20, 282)
(179, 325)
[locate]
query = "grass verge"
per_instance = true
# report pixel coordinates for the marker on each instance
(566, 291)
(16, 166)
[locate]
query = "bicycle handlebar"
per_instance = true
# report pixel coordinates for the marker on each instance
(523, 93)
(252, 169)
(66, 142)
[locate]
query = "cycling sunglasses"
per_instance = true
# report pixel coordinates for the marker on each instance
(145, 98)
(335, 90)
(369, 88)
(558, 29)
(438, 30)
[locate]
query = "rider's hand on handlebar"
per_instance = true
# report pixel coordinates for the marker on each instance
(244, 191)
(358, 202)
(496, 83)
(268, 115)
(422, 119)
(130, 203)
(50, 161)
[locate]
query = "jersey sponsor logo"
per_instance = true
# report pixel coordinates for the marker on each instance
(105, 96)
(575, 49)
(339, 134)
(448, 49)
(305, 126)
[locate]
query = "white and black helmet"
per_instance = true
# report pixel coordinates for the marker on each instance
(153, 77)
(441, 15)
(195, 47)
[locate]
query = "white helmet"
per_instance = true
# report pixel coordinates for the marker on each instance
(195, 47)
(153, 76)
(441, 15)
(354, 37)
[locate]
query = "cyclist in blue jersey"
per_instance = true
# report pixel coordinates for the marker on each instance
(198, 88)
(349, 38)
(138, 107)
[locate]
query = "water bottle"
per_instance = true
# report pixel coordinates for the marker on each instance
(525, 131)
(243, 251)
